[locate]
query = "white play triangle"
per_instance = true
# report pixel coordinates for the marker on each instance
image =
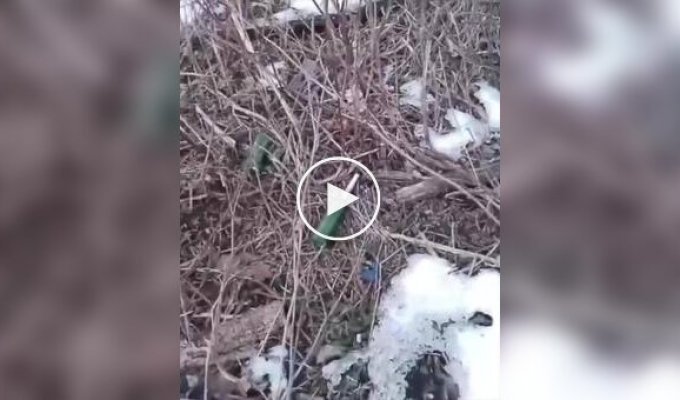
(337, 199)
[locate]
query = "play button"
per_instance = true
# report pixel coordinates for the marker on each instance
(361, 190)
(337, 199)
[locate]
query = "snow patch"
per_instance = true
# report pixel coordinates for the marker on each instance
(300, 9)
(333, 371)
(490, 97)
(468, 132)
(267, 371)
(427, 309)
(413, 92)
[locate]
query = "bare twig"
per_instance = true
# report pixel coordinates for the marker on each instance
(447, 249)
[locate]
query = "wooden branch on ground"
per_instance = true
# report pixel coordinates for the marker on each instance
(446, 249)
(425, 189)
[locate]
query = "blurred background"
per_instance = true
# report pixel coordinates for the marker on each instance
(591, 213)
(88, 199)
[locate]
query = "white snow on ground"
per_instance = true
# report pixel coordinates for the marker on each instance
(468, 133)
(268, 371)
(452, 144)
(490, 97)
(333, 371)
(300, 9)
(426, 309)
(413, 92)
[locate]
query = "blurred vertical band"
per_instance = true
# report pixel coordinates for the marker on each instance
(591, 217)
(88, 199)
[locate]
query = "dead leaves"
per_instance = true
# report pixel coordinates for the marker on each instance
(244, 266)
(237, 335)
(240, 336)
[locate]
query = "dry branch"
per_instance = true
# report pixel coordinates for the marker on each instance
(447, 249)
(422, 190)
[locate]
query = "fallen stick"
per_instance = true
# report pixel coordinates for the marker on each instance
(447, 249)
(430, 187)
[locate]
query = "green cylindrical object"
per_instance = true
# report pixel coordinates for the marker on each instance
(331, 223)
(329, 226)
(260, 157)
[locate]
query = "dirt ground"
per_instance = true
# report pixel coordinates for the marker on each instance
(250, 276)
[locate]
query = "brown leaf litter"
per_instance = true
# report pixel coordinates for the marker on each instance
(237, 337)
(247, 264)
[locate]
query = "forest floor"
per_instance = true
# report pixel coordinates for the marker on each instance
(250, 275)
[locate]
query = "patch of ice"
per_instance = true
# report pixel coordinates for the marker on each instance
(427, 309)
(490, 97)
(413, 92)
(267, 371)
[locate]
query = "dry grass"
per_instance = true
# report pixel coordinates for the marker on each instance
(342, 105)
